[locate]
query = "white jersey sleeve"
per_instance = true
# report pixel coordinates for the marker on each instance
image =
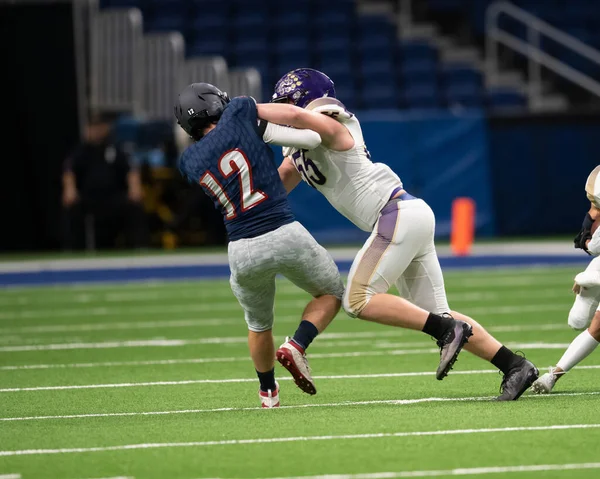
(592, 187)
(354, 185)
(291, 137)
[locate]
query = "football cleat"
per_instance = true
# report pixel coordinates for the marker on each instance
(292, 357)
(517, 381)
(269, 399)
(451, 345)
(545, 383)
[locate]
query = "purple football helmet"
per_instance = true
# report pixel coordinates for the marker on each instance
(303, 85)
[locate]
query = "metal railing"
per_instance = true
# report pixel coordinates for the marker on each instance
(531, 49)
(165, 57)
(245, 81)
(117, 61)
(208, 70)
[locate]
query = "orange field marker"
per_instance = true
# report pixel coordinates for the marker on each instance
(463, 226)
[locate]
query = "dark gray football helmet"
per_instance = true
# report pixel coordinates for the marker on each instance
(198, 105)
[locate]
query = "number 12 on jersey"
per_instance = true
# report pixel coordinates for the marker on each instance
(231, 162)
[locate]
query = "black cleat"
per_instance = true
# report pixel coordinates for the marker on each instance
(517, 381)
(451, 345)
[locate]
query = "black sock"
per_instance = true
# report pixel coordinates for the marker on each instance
(267, 380)
(437, 326)
(305, 334)
(505, 359)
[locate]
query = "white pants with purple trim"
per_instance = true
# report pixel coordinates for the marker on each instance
(400, 251)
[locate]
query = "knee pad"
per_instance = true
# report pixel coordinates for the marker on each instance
(354, 303)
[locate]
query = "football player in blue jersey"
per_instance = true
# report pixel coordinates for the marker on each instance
(232, 161)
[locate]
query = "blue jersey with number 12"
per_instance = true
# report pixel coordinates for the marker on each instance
(237, 169)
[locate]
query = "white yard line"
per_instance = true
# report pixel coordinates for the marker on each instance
(373, 341)
(220, 295)
(136, 311)
(215, 322)
(237, 380)
(394, 402)
(10, 476)
(456, 472)
(272, 440)
(227, 359)
(232, 305)
(116, 477)
(324, 338)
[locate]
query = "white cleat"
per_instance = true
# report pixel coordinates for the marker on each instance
(269, 399)
(545, 383)
(292, 357)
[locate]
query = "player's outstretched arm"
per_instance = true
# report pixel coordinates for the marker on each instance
(285, 136)
(289, 174)
(334, 134)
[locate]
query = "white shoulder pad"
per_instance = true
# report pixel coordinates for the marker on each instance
(592, 187)
(330, 107)
(288, 151)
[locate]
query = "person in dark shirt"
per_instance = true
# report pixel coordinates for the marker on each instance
(232, 161)
(102, 192)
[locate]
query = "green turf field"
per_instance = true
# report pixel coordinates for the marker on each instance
(154, 381)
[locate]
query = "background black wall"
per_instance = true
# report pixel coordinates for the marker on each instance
(39, 120)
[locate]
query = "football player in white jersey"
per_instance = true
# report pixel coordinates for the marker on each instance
(400, 249)
(585, 313)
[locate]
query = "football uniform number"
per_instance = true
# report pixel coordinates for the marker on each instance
(308, 170)
(232, 162)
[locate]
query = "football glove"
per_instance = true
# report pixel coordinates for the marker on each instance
(584, 234)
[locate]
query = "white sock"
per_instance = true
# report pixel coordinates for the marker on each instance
(581, 347)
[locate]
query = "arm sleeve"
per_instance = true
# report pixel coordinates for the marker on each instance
(594, 244)
(284, 136)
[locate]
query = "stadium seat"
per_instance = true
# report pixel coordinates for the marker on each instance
(444, 6)
(505, 98)
(372, 25)
(416, 68)
(463, 75)
(337, 71)
(169, 7)
(334, 54)
(165, 23)
(417, 50)
(381, 69)
(464, 95)
(207, 47)
(334, 42)
(382, 98)
(291, 45)
(208, 26)
(249, 22)
(121, 3)
(422, 96)
(347, 95)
